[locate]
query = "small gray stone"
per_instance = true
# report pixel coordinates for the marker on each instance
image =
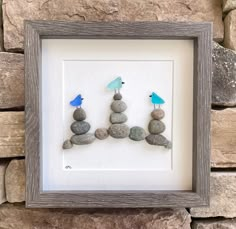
(160, 140)
(118, 118)
(79, 114)
(158, 114)
(118, 106)
(119, 130)
(101, 133)
(223, 79)
(117, 96)
(67, 144)
(156, 127)
(80, 127)
(137, 133)
(83, 139)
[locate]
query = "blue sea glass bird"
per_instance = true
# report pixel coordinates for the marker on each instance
(116, 84)
(156, 99)
(77, 101)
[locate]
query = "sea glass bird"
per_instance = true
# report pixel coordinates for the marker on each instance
(156, 99)
(77, 101)
(116, 84)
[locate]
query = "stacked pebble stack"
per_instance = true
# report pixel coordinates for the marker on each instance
(118, 129)
(80, 129)
(156, 127)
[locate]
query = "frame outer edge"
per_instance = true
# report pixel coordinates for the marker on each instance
(34, 31)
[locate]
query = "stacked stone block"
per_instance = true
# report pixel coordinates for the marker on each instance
(80, 129)
(156, 127)
(118, 128)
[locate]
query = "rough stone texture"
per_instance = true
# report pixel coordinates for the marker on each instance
(230, 30)
(224, 76)
(79, 114)
(118, 118)
(83, 139)
(3, 166)
(215, 224)
(158, 140)
(158, 114)
(11, 134)
(119, 130)
(229, 5)
(118, 106)
(67, 144)
(101, 133)
(223, 141)
(15, 181)
(14, 12)
(117, 96)
(11, 80)
(222, 197)
(156, 127)
(137, 133)
(80, 127)
(18, 217)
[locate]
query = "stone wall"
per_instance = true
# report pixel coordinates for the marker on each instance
(222, 210)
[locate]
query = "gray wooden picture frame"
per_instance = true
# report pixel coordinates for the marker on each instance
(201, 33)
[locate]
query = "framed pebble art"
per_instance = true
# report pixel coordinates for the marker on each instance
(117, 114)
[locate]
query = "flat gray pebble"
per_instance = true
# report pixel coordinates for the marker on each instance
(118, 118)
(119, 131)
(137, 133)
(79, 114)
(83, 139)
(117, 96)
(159, 140)
(118, 106)
(101, 133)
(156, 127)
(158, 114)
(80, 127)
(67, 144)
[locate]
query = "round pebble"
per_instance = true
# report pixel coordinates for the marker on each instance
(119, 131)
(80, 127)
(117, 96)
(158, 114)
(156, 127)
(118, 106)
(137, 133)
(157, 139)
(79, 114)
(83, 139)
(118, 118)
(101, 133)
(67, 144)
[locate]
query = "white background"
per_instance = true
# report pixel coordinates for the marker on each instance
(87, 66)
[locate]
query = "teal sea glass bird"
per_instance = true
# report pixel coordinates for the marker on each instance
(77, 101)
(156, 99)
(116, 84)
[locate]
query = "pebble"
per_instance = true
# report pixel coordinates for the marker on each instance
(83, 139)
(118, 118)
(101, 133)
(118, 106)
(158, 114)
(137, 133)
(117, 96)
(159, 140)
(156, 127)
(119, 130)
(80, 127)
(79, 114)
(67, 144)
